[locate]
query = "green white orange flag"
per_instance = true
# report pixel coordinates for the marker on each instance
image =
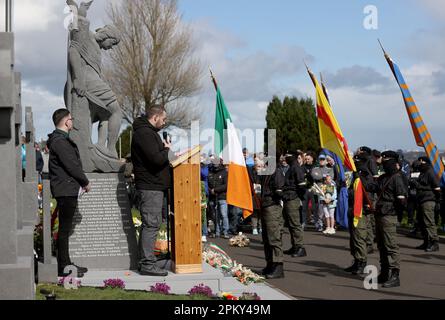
(227, 146)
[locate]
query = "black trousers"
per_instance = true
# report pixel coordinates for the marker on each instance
(67, 207)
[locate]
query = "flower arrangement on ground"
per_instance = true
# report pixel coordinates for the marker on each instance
(161, 288)
(201, 289)
(240, 240)
(114, 283)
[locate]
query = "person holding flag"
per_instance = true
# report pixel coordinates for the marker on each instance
(391, 190)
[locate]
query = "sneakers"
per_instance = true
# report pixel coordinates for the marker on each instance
(204, 239)
(329, 231)
(255, 232)
(226, 236)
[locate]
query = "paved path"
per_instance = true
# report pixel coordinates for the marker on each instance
(320, 275)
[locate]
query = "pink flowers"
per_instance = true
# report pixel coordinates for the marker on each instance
(201, 290)
(114, 283)
(161, 288)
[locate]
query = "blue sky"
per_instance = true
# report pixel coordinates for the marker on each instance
(256, 50)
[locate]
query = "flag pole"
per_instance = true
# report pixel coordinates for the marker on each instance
(213, 79)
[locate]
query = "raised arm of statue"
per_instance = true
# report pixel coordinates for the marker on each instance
(75, 61)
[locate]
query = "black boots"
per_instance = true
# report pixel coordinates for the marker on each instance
(393, 279)
(277, 271)
(432, 246)
(358, 267)
(299, 252)
(383, 276)
(429, 245)
(296, 252)
(424, 245)
(267, 269)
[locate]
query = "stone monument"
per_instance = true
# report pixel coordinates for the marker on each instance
(104, 236)
(18, 199)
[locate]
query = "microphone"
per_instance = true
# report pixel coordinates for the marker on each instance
(166, 137)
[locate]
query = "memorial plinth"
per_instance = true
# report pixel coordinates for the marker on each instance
(104, 236)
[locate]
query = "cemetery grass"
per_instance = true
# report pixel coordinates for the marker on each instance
(87, 293)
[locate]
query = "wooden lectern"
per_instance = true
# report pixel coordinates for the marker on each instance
(186, 221)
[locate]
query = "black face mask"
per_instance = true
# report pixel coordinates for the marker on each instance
(424, 167)
(390, 166)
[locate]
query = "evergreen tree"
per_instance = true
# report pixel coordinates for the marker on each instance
(295, 122)
(125, 142)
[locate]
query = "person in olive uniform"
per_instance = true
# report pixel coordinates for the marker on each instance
(360, 234)
(272, 221)
(427, 193)
(391, 191)
(293, 193)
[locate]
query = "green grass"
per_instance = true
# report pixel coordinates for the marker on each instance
(86, 293)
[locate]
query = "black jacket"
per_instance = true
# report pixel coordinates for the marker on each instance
(426, 186)
(389, 187)
(218, 182)
(151, 164)
(272, 189)
(294, 183)
(65, 168)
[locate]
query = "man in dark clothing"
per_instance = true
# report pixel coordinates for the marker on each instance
(39, 159)
(360, 234)
(218, 197)
(391, 190)
(309, 197)
(151, 165)
(427, 193)
(293, 193)
(272, 222)
(66, 180)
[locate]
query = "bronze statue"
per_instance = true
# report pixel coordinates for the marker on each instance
(88, 97)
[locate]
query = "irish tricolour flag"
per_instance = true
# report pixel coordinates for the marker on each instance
(227, 146)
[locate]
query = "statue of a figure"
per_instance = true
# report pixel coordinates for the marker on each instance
(88, 97)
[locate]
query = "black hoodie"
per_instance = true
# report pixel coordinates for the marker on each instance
(65, 168)
(150, 158)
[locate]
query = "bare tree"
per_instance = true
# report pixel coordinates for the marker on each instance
(154, 62)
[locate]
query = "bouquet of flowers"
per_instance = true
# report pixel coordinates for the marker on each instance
(227, 296)
(218, 259)
(245, 275)
(239, 240)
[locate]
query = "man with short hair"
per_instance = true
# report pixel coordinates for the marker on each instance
(66, 180)
(151, 165)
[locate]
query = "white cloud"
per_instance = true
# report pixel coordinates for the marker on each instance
(435, 7)
(43, 104)
(31, 15)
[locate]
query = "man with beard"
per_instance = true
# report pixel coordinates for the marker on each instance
(293, 193)
(428, 193)
(391, 191)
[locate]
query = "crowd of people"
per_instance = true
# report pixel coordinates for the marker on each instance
(304, 190)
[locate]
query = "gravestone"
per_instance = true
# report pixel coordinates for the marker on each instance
(16, 238)
(104, 236)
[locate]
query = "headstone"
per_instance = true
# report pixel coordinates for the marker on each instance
(104, 236)
(16, 242)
